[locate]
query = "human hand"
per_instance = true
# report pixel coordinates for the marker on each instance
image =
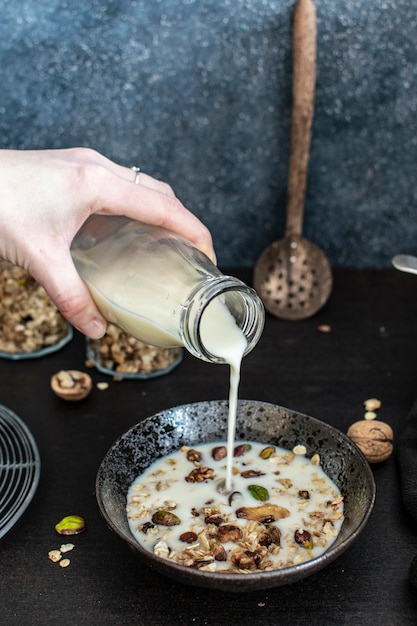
(46, 196)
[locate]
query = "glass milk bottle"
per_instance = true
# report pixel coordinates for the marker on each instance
(159, 288)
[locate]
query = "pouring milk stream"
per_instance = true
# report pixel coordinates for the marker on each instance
(223, 338)
(160, 289)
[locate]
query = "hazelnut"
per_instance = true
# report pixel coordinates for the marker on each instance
(374, 438)
(71, 384)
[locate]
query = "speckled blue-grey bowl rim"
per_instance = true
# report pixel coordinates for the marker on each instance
(206, 421)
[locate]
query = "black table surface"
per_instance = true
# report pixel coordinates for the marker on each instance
(369, 352)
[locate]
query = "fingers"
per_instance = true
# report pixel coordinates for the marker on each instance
(150, 200)
(151, 203)
(69, 294)
(88, 156)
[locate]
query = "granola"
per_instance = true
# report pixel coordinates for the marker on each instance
(283, 509)
(29, 321)
(120, 353)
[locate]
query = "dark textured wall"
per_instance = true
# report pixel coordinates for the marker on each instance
(198, 92)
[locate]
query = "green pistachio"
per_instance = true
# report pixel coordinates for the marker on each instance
(267, 452)
(165, 518)
(241, 449)
(70, 525)
(221, 486)
(303, 538)
(258, 492)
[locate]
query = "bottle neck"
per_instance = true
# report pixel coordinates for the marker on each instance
(232, 304)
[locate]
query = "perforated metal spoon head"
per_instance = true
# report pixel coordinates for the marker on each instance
(293, 278)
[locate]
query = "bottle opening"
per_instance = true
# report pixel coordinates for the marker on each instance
(220, 315)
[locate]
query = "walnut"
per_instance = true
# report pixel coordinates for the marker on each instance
(270, 536)
(373, 438)
(247, 559)
(214, 519)
(71, 384)
(218, 552)
(193, 455)
(229, 532)
(199, 474)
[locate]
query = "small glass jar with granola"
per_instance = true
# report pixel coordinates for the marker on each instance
(30, 324)
(122, 356)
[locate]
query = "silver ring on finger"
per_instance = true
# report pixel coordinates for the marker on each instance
(137, 173)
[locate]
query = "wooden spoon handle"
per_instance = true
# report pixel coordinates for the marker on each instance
(304, 79)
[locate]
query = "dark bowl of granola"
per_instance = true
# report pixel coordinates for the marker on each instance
(289, 463)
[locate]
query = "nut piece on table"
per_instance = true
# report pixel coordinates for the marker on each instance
(374, 438)
(71, 384)
(70, 525)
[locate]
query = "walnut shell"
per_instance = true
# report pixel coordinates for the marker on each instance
(71, 384)
(373, 438)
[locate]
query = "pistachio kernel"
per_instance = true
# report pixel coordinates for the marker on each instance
(242, 449)
(165, 518)
(221, 486)
(70, 525)
(219, 452)
(303, 538)
(258, 492)
(267, 452)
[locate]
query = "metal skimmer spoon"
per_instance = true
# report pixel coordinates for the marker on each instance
(405, 263)
(293, 276)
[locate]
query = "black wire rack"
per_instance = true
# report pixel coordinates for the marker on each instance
(19, 468)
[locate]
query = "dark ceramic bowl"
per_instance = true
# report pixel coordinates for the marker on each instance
(201, 422)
